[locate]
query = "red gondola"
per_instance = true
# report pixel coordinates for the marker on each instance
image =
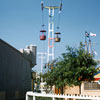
(43, 36)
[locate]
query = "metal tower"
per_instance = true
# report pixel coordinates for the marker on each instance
(51, 37)
(50, 54)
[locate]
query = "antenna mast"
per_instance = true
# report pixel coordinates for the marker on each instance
(88, 44)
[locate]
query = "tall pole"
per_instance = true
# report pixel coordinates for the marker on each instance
(50, 55)
(50, 52)
(90, 47)
(42, 56)
(86, 44)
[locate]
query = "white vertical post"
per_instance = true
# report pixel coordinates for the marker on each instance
(86, 45)
(33, 97)
(53, 98)
(26, 97)
(42, 63)
(90, 51)
(42, 57)
(51, 35)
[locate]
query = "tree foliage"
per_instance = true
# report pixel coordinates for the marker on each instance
(72, 68)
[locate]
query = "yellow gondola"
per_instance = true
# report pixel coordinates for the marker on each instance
(57, 37)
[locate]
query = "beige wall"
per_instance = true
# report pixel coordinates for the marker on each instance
(75, 90)
(89, 92)
(71, 90)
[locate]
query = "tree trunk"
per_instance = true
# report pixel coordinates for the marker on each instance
(62, 90)
(80, 89)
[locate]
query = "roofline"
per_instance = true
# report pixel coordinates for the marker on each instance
(15, 49)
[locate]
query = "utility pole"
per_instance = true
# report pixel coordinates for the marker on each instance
(42, 56)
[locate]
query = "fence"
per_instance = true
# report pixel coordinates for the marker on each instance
(53, 96)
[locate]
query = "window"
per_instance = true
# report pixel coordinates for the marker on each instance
(91, 86)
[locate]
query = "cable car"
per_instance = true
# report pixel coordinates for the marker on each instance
(57, 37)
(43, 36)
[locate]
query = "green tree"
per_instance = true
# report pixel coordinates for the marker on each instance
(75, 65)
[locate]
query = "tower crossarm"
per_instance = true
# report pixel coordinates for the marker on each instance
(51, 7)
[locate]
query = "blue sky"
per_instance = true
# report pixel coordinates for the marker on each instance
(20, 23)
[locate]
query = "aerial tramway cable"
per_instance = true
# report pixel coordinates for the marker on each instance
(60, 9)
(57, 34)
(42, 36)
(42, 13)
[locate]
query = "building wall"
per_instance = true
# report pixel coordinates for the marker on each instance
(71, 90)
(15, 73)
(75, 90)
(89, 92)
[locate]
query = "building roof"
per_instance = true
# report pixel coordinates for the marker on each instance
(14, 49)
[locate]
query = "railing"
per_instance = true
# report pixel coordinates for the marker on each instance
(53, 96)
